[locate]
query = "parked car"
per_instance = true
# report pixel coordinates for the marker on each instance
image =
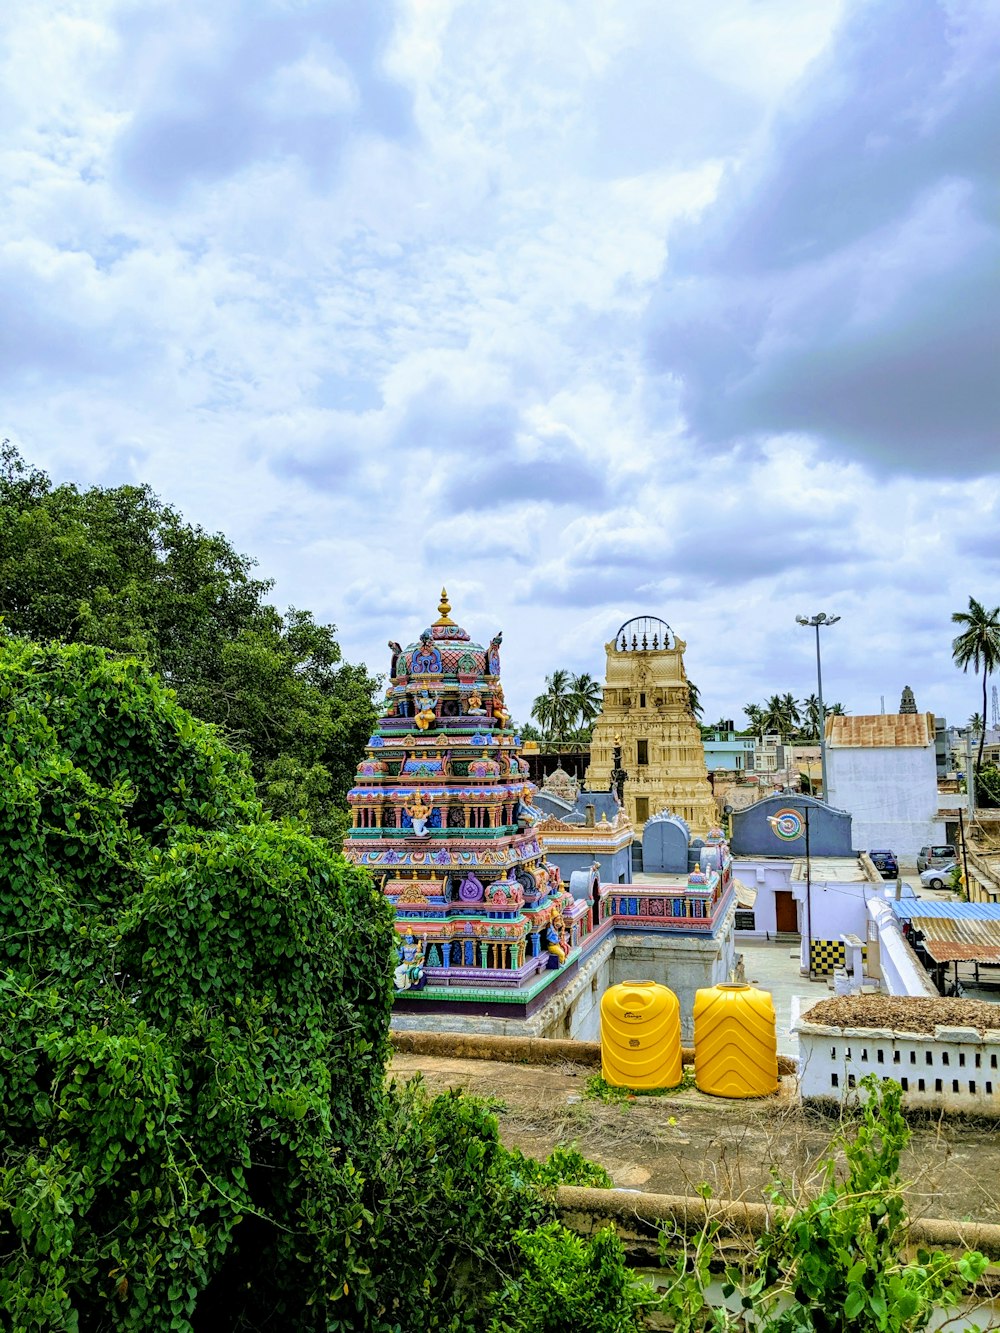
(937, 877)
(935, 856)
(885, 863)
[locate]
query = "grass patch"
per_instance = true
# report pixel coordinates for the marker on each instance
(597, 1090)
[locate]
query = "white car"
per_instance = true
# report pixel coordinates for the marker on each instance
(937, 877)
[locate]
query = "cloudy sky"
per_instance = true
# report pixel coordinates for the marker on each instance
(585, 308)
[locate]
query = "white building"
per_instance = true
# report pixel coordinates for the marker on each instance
(883, 769)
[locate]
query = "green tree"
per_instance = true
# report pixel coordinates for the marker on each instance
(812, 719)
(978, 646)
(121, 569)
(694, 700)
(556, 709)
(975, 723)
(781, 715)
(193, 1018)
(586, 696)
(754, 714)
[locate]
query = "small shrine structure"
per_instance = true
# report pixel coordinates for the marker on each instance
(580, 828)
(443, 815)
(647, 716)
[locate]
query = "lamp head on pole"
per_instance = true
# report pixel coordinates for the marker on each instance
(802, 620)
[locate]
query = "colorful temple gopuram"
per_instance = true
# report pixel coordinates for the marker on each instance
(443, 817)
(490, 938)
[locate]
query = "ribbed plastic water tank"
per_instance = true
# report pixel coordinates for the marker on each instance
(735, 1042)
(641, 1036)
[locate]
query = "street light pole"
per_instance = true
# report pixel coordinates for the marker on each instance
(821, 618)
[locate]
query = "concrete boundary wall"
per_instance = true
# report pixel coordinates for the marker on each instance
(953, 1069)
(902, 972)
(521, 1050)
(637, 1218)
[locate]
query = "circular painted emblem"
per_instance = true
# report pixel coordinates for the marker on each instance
(787, 824)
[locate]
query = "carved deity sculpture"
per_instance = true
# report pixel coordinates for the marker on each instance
(419, 811)
(426, 656)
(396, 651)
(554, 936)
(474, 707)
(425, 710)
(409, 972)
(499, 707)
(493, 654)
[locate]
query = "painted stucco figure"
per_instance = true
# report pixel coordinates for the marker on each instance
(409, 971)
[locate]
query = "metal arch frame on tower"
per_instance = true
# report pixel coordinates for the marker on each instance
(643, 629)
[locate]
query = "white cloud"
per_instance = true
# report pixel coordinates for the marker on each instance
(367, 287)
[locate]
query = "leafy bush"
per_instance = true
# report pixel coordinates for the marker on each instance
(566, 1282)
(838, 1263)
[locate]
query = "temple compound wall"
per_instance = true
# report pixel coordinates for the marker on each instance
(647, 715)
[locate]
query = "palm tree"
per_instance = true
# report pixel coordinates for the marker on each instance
(975, 723)
(811, 716)
(791, 709)
(978, 645)
(586, 696)
(778, 717)
(755, 718)
(555, 710)
(541, 711)
(836, 710)
(694, 699)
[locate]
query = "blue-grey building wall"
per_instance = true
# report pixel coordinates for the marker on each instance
(665, 847)
(829, 829)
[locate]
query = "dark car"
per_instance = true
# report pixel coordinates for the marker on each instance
(885, 863)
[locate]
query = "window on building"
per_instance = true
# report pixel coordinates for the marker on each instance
(641, 809)
(643, 755)
(642, 700)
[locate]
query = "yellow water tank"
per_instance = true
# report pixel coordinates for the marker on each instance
(735, 1042)
(641, 1036)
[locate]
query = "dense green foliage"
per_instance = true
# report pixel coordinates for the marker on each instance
(567, 709)
(790, 718)
(838, 1261)
(120, 569)
(988, 787)
(564, 1282)
(193, 1012)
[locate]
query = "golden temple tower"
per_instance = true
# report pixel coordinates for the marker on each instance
(647, 712)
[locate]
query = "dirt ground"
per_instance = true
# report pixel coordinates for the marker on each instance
(671, 1144)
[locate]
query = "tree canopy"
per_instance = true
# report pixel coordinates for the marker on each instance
(121, 569)
(978, 646)
(568, 707)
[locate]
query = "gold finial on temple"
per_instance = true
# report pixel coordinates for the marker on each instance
(444, 610)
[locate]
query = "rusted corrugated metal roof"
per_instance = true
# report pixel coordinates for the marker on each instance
(874, 730)
(971, 928)
(951, 951)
